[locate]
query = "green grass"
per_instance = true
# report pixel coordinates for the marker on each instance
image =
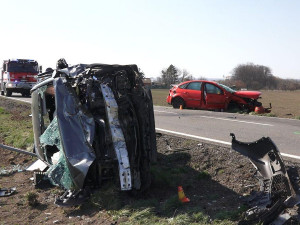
(32, 199)
(231, 215)
(203, 175)
(14, 132)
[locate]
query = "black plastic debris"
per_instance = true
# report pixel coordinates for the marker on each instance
(276, 202)
(4, 192)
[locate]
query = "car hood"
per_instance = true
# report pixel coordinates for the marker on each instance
(248, 94)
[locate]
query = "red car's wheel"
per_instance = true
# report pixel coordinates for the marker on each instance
(177, 102)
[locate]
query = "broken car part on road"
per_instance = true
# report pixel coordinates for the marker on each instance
(276, 202)
(91, 123)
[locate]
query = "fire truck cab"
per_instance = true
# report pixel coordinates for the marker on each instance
(18, 75)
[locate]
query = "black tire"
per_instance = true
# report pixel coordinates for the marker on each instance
(7, 93)
(233, 107)
(2, 92)
(177, 102)
(26, 94)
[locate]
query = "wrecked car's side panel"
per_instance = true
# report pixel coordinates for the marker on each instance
(276, 192)
(76, 128)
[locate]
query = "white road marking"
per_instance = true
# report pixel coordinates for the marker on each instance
(214, 140)
(194, 136)
(217, 118)
(165, 112)
(239, 121)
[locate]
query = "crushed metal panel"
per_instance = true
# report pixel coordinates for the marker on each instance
(276, 190)
(117, 137)
(76, 128)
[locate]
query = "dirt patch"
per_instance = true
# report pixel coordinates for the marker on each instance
(216, 179)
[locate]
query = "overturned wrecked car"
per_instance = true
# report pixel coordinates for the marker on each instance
(91, 123)
(210, 95)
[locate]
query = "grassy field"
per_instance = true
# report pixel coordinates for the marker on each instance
(285, 103)
(12, 132)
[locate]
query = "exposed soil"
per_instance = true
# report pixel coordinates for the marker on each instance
(216, 179)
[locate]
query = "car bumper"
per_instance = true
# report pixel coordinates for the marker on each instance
(19, 86)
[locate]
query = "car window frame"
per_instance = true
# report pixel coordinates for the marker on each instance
(222, 92)
(193, 83)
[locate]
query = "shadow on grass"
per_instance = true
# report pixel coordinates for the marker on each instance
(210, 202)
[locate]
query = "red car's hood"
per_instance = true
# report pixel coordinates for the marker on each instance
(248, 94)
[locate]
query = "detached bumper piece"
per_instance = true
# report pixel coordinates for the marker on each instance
(92, 123)
(276, 202)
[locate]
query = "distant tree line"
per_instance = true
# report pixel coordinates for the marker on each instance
(257, 77)
(173, 75)
(249, 76)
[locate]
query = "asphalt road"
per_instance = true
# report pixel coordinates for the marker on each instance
(216, 127)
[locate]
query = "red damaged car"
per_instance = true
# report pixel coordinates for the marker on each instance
(202, 94)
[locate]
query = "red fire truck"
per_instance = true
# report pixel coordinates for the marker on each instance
(18, 75)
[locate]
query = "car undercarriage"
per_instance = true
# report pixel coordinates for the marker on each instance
(92, 123)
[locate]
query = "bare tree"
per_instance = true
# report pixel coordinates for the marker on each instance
(186, 76)
(253, 76)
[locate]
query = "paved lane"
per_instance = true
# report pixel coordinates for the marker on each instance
(217, 126)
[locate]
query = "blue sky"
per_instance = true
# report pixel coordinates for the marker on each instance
(207, 38)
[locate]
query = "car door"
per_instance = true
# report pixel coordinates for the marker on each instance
(213, 97)
(192, 94)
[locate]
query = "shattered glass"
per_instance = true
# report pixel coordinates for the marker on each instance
(58, 173)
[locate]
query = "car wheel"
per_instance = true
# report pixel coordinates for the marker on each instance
(177, 102)
(2, 92)
(233, 107)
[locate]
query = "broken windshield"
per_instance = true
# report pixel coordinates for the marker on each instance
(227, 88)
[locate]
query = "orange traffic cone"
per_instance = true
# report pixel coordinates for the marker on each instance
(182, 196)
(180, 107)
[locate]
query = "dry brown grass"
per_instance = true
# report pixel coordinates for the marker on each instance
(285, 103)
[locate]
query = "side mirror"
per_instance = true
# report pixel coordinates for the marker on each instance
(40, 69)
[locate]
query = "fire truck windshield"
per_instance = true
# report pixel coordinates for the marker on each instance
(29, 67)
